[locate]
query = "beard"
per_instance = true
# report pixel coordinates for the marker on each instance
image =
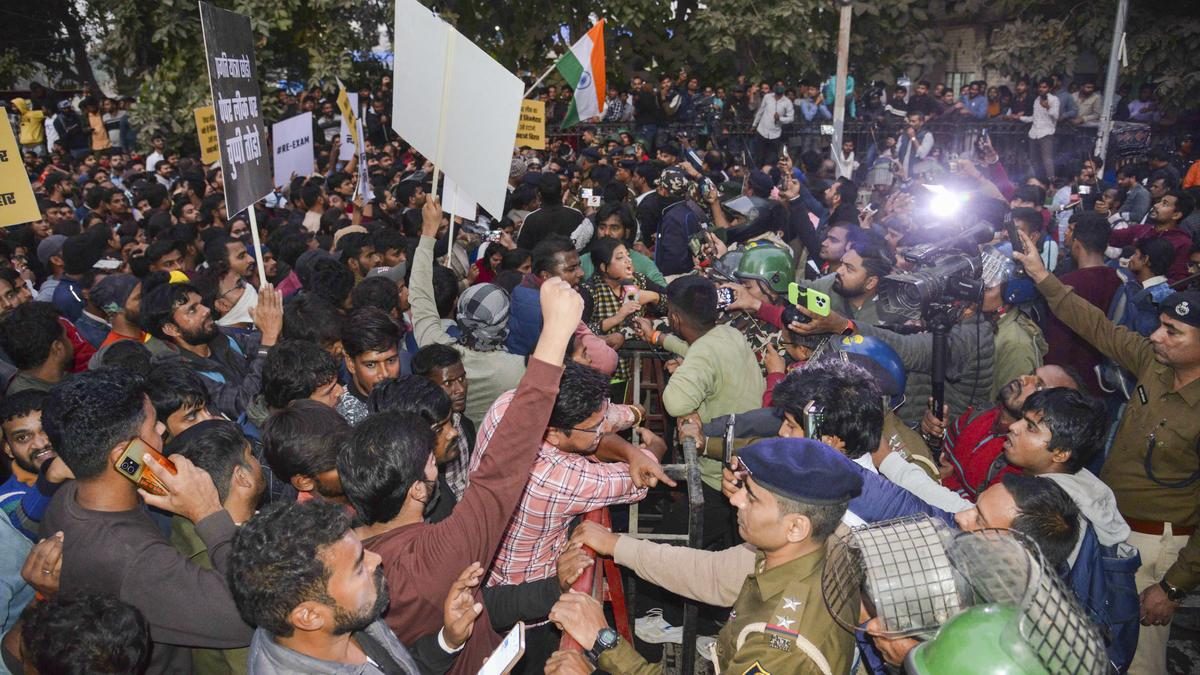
(200, 336)
(848, 293)
(351, 622)
(1007, 397)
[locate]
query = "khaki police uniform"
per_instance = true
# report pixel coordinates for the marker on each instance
(1153, 467)
(779, 625)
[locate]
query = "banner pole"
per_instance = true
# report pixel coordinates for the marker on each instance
(447, 68)
(258, 257)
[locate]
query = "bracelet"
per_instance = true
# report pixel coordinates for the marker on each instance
(851, 327)
(653, 337)
(637, 416)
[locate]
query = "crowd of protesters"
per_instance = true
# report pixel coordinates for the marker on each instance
(378, 457)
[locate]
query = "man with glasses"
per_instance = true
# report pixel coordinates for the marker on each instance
(566, 480)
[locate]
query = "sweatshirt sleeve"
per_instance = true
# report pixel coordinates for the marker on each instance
(711, 577)
(473, 531)
(1127, 348)
(528, 602)
(184, 603)
(427, 325)
(912, 478)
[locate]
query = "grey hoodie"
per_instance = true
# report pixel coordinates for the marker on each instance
(1097, 504)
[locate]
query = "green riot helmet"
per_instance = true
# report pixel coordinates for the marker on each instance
(769, 263)
(983, 640)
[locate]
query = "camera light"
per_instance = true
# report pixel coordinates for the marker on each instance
(944, 203)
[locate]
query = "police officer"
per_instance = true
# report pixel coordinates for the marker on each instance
(792, 495)
(1153, 466)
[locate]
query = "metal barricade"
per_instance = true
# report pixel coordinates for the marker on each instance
(607, 584)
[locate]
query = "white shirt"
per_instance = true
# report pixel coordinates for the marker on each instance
(152, 160)
(1154, 281)
(1044, 119)
(764, 120)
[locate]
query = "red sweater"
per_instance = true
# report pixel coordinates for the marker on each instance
(972, 446)
(422, 560)
(1180, 239)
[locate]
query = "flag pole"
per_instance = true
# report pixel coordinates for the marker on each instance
(539, 80)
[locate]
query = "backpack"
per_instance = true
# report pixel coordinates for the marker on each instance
(1122, 311)
(1103, 582)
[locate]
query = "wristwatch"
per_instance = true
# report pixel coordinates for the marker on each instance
(1173, 594)
(606, 639)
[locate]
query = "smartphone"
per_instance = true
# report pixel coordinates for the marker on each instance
(724, 298)
(694, 159)
(815, 301)
(1014, 236)
(132, 465)
(631, 292)
(826, 129)
(494, 235)
(505, 658)
(814, 417)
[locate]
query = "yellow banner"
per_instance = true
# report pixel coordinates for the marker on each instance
(531, 127)
(206, 131)
(17, 204)
(347, 110)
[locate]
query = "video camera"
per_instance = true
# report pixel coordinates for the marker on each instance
(946, 274)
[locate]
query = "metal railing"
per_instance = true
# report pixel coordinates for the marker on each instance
(953, 135)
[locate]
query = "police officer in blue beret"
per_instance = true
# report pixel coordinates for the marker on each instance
(792, 495)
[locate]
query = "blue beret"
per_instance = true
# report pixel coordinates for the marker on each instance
(1182, 306)
(590, 153)
(803, 470)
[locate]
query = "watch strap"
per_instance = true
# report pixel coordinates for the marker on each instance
(1173, 594)
(603, 645)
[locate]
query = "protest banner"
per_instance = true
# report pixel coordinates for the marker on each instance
(233, 81)
(531, 130)
(206, 132)
(363, 189)
(17, 204)
(293, 142)
(347, 104)
(435, 107)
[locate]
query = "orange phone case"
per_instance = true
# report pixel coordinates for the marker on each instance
(132, 465)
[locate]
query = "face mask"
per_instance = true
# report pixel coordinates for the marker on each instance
(779, 91)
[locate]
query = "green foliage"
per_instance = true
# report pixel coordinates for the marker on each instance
(154, 48)
(1019, 48)
(1162, 41)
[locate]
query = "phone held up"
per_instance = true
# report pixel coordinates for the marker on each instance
(505, 657)
(814, 301)
(132, 465)
(724, 298)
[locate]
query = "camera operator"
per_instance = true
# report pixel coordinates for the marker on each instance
(968, 370)
(1157, 495)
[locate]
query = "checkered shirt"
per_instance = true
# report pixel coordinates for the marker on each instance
(561, 486)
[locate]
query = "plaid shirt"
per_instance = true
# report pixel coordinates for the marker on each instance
(605, 304)
(457, 470)
(561, 486)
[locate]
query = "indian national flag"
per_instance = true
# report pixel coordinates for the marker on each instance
(583, 69)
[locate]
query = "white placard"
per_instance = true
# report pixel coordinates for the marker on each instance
(436, 107)
(293, 143)
(456, 201)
